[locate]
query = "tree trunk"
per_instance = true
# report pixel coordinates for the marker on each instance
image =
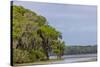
(44, 44)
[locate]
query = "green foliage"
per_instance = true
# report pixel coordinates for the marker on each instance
(32, 37)
(40, 55)
(20, 56)
(50, 32)
(58, 48)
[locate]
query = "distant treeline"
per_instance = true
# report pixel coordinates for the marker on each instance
(69, 50)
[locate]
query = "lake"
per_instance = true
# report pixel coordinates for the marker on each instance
(75, 58)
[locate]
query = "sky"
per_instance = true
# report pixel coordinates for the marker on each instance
(77, 23)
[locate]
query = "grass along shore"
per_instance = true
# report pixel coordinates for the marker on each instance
(39, 62)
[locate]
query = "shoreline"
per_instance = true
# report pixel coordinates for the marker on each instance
(64, 60)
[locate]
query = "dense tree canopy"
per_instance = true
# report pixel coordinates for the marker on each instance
(33, 38)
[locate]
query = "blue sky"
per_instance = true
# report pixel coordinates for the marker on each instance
(77, 23)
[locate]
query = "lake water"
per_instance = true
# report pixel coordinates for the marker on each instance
(76, 58)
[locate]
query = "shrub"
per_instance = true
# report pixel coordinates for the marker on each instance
(20, 56)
